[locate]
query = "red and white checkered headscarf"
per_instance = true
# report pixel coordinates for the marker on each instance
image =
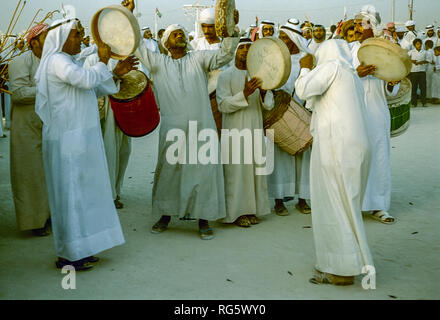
(35, 31)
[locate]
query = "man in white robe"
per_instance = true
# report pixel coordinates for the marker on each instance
(410, 36)
(183, 187)
(84, 219)
(291, 174)
(117, 145)
(210, 40)
(319, 34)
(340, 163)
(267, 29)
(26, 161)
(241, 103)
(435, 86)
(378, 194)
(430, 35)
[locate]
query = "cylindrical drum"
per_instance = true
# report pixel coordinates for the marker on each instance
(400, 109)
(135, 107)
(290, 123)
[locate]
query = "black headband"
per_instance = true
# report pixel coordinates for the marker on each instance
(61, 23)
(291, 29)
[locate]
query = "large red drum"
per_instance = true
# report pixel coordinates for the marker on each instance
(135, 107)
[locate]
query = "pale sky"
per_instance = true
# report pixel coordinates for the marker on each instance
(325, 12)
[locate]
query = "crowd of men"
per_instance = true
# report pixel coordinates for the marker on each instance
(68, 156)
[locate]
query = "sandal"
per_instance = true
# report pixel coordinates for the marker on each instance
(206, 233)
(118, 204)
(79, 265)
(92, 259)
(384, 217)
(328, 278)
(281, 211)
(304, 209)
(253, 219)
(243, 222)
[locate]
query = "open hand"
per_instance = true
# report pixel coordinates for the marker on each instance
(125, 66)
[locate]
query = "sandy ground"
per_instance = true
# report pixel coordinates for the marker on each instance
(273, 260)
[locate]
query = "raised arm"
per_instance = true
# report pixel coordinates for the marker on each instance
(215, 59)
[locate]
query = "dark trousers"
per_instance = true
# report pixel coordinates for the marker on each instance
(418, 79)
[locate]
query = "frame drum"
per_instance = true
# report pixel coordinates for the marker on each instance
(117, 27)
(225, 18)
(269, 60)
(392, 62)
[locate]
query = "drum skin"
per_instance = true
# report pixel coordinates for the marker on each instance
(117, 27)
(137, 116)
(290, 123)
(269, 60)
(400, 109)
(392, 62)
(224, 18)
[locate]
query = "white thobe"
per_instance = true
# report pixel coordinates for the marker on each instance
(408, 39)
(378, 194)
(314, 46)
(189, 190)
(246, 192)
(339, 167)
(435, 86)
(291, 174)
(429, 72)
(202, 44)
(84, 218)
(117, 145)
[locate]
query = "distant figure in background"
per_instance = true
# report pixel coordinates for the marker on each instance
(162, 49)
(26, 163)
(436, 76)
(210, 40)
(419, 58)
(333, 29)
(429, 45)
(410, 36)
(319, 35)
(267, 29)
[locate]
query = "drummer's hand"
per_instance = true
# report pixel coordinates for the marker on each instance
(251, 86)
(364, 70)
(125, 66)
(307, 62)
(129, 4)
(104, 52)
(236, 16)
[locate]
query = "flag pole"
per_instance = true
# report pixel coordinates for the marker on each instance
(155, 24)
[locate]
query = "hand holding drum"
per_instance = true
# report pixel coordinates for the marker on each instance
(364, 70)
(129, 4)
(251, 86)
(104, 52)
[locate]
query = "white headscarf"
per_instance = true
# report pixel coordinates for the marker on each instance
(54, 43)
(334, 50)
(267, 23)
(207, 16)
(169, 30)
(295, 34)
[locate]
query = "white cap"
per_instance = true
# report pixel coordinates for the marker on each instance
(293, 21)
(400, 29)
(410, 23)
(430, 27)
(207, 16)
